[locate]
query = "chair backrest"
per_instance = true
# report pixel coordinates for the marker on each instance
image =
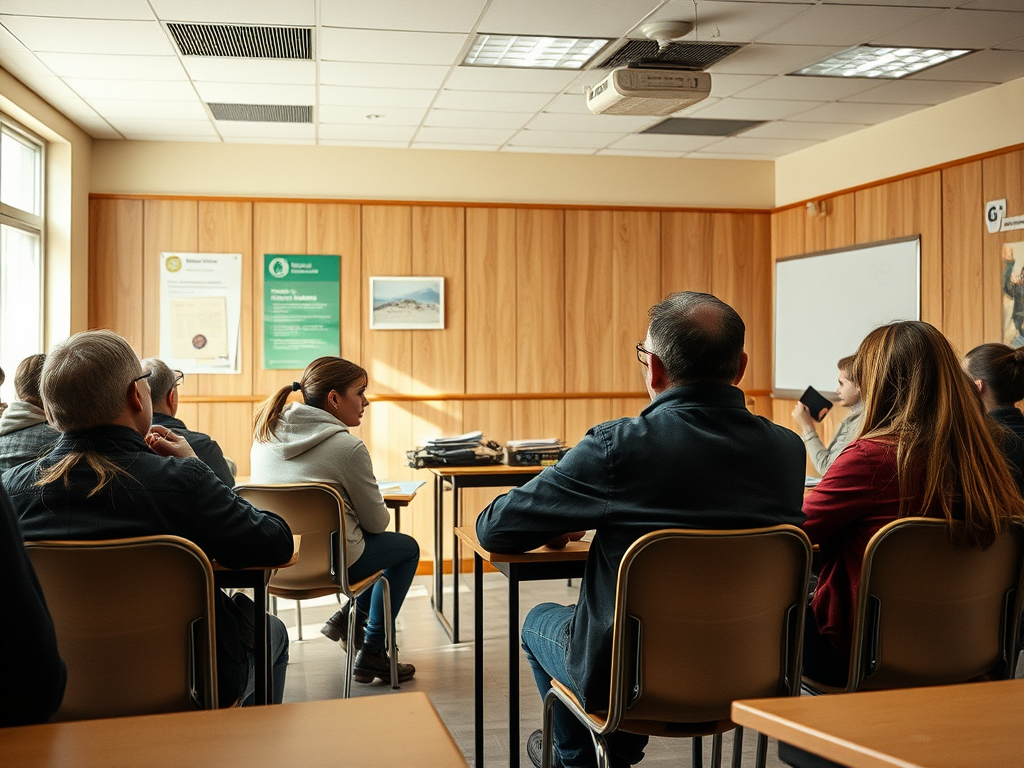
(135, 624)
(933, 612)
(703, 618)
(316, 512)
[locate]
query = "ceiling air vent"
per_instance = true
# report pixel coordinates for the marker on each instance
(696, 126)
(262, 113)
(689, 55)
(243, 41)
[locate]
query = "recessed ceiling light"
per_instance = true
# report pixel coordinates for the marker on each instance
(533, 52)
(880, 62)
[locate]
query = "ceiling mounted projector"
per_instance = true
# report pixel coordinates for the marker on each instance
(643, 91)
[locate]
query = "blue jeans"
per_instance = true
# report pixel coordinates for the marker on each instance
(277, 650)
(546, 641)
(397, 555)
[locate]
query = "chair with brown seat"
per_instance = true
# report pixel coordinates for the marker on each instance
(732, 628)
(316, 512)
(135, 624)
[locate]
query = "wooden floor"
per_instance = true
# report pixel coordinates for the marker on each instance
(445, 671)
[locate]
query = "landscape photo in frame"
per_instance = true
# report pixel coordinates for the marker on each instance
(415, 303)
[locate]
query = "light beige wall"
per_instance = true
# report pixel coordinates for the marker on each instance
(137, 167)
(971, 125)
(69, 151)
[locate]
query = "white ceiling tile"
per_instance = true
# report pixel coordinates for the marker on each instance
(354, 143)
(488, 101)
(381, 75)
(156, 110)
(253, 93)
(771, 147)
(843, 24)
(915, 91)
(81, 9)
(412, 15)
(278, 71)
(865, 114)
(439, 135)
(145, 38)
(237, 128)
(375, 97)
(500, 79)
(784, 129)
(297, 140)
(453, 118)
(709, 155)
(663, 142)
(569, 104)
(909, 3)
(806, 88)
(392, 133)
(759, 59)
(1013, 45)
(137, 126)
(957, 29)
(694, 108)
(993, 5)
(390, 47)
(25, 66)
(980, 67)
(164, 90)
(97, 128)
(8, 42)
(358, 115)
(753, 109)
(272, 12)
(455, 147)
(103, 67)
(548, 150)
(727, 21)
(569, 18)
(724, 85)
(174, 137)
(554, 121)
(638, 153)
(591, 140)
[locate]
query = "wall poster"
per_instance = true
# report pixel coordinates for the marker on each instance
(301, 309)
(1013, 294)
(200, 311)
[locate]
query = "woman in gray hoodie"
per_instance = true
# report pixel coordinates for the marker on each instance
(310, 442)
(24, 433)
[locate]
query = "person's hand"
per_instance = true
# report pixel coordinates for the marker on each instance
(559, 542)
(167, 443)
(802, 416)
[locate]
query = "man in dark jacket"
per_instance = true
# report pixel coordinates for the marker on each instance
(113, 476)
(163, 384)
(694, 458)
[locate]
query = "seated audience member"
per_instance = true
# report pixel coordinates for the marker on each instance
(310, 442)
(24, 433)
(849, 396)
(998, 372)
(112, 475)
(164, 386)
(34, 678)
(925, 450)
(694, 458)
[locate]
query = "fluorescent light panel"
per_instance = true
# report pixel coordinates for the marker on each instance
(880, 62)
(532, 52)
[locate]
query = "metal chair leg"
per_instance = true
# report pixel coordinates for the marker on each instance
(350, 657)
(716, 751)
(737, 747)
(547, 734)
(298, 616)
(389, 633)
(697, 752)
(762, 751)
(601, 750)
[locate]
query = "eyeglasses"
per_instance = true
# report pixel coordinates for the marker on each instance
(146, 375)
(178, 379)
(640, 351)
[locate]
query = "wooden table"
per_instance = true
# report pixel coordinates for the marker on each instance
(489, 476)
(400, 729)
(536, 565)
(396, 498)
(256, 579)
(950, 726)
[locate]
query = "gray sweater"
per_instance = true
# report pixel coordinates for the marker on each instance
(24, 434)
(821, 456)
(311, 446)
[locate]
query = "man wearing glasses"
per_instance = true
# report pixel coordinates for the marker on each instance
(694, 458)
(163, 383)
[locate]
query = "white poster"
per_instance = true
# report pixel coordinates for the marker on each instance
(201, 311)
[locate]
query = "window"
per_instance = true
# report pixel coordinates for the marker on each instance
(21, 248)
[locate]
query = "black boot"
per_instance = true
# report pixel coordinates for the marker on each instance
(336, 627)
(369, 665)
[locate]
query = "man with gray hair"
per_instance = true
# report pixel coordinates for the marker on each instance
(694, 458)
(163, 383)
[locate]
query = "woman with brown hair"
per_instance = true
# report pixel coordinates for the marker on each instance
(24, 433)
(925, 449)
(310, 442)
(998, 372)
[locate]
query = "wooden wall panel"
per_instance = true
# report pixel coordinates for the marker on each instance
(116, 292)
(1002, 177)
(788, 233)
(963, 311)
(581, 415)
(334, 229)
(278, 228)
(759, 321)
(231, 426)
(490, 299)
(540, 291)
(840, 221)
(168, 225)
(226, 227)
(533, 419)
(686, 252)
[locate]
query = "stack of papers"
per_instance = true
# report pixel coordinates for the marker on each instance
(459, 442)
(404, 487)
(534, 445)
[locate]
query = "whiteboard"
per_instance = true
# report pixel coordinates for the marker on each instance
(827, 302)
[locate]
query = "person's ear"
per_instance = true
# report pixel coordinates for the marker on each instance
(742, 368)
(172, 400)
(656, 370)
(135, 398)
(980, 385)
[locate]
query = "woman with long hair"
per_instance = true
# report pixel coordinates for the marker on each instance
(24, 433)
(925, 449)
(311, 442)
(998, 372)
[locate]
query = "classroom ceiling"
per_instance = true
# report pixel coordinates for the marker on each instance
(388, 72)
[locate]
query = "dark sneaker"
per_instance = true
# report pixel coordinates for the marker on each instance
(336, 629)
(535, 750)
(371, 665)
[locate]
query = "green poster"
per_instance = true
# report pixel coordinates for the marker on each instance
(301, 317)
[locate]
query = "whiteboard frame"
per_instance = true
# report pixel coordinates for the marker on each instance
(793, 394)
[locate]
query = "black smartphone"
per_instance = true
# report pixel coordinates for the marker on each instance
(815, 401)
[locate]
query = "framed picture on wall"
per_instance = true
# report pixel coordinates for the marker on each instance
(398, 303)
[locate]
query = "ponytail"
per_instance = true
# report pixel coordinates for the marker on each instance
(268, 414)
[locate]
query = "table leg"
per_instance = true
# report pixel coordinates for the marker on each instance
(513, 667)
(456, 522)
(437, 599)
(478, 659)
(261, 660)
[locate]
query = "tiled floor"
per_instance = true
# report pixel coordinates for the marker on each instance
(445, 670)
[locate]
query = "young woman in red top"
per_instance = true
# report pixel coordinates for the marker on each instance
(925, 449)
